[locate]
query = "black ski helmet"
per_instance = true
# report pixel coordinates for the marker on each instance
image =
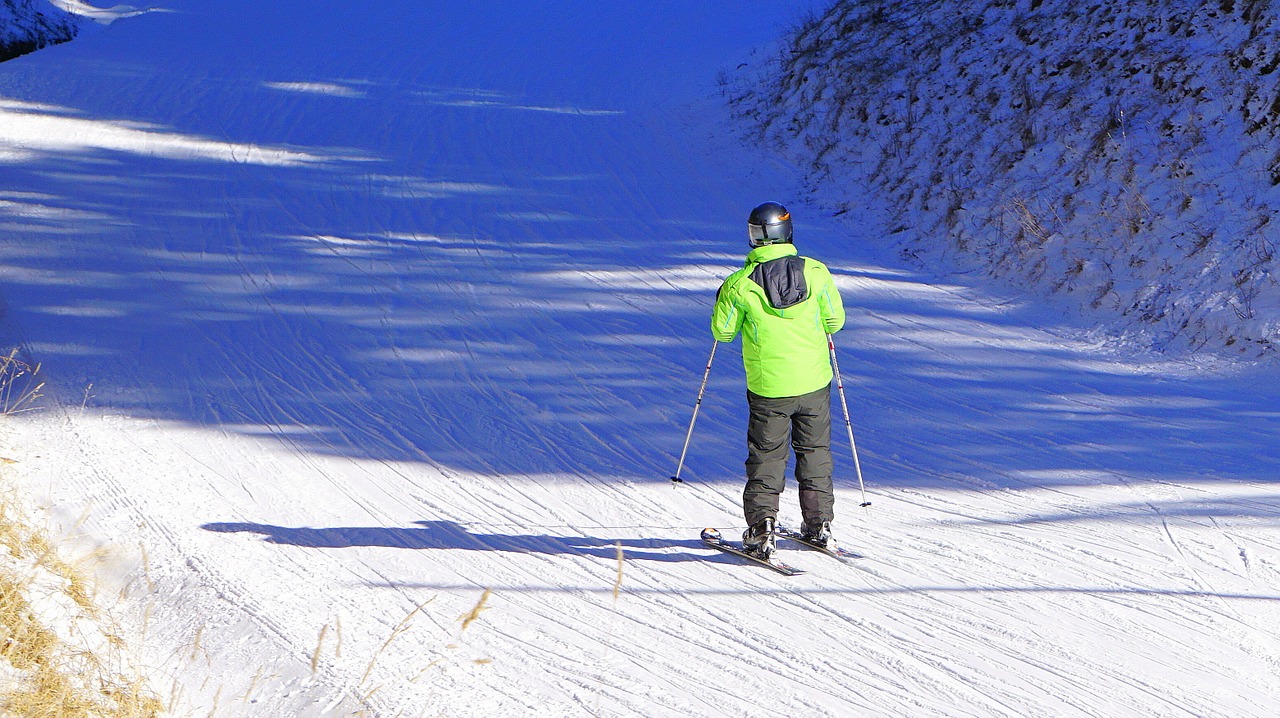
(769, 223)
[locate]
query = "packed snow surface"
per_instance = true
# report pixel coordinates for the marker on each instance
(371, 338)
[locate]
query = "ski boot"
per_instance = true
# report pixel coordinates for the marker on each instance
(818, 534)
(758, 539)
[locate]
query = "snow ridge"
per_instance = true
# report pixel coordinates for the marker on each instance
(1119, 157)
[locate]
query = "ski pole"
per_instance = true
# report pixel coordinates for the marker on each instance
(676, 479)
(857, 467)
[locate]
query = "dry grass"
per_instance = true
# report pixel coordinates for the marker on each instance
(474, 613)
(48, 676)
(60, 656)
(395, 633)
(19, 385)
(617, 584)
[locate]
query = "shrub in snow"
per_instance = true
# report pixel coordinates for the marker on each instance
(1122, 156)
(28, 25)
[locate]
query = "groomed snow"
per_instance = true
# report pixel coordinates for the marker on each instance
(372, 336)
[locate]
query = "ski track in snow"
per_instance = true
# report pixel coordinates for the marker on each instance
(342, 320)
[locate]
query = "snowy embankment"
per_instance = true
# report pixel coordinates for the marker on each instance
(61, 652)
(28, 25)
(370, 336)
(1120, 157)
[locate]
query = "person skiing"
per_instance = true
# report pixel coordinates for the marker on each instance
(784, 306)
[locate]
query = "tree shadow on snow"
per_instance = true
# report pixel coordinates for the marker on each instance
(484, 283)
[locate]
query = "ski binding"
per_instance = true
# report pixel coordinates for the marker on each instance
(712, 538)
(834, 551)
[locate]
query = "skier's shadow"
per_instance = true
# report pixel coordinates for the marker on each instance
(454, 536)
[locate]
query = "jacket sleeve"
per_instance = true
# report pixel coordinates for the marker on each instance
(726, 317)
(829, 304)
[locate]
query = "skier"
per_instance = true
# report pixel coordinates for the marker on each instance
(784, 306)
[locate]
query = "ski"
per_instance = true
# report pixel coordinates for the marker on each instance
(712, 538)
(837, 552)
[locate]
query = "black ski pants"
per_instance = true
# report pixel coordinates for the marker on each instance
(806, 420)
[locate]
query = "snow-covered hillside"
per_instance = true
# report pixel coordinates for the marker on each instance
(1118, 156)
(371, 333)
(28, 25)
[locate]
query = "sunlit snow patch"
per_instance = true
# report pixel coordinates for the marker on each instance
(105, 16)
(485, 99)
(26, 130)
(316, 88)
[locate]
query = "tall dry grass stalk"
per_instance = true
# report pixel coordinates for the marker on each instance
(315, 655)
(19, 385)
(471, 616)
(617, 584)
(395, 633)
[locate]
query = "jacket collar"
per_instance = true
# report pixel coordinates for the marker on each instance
(769, 252)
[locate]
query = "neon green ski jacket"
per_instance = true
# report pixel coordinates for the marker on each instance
(784, 306)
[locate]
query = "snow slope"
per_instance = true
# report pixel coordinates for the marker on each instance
(371, 337)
